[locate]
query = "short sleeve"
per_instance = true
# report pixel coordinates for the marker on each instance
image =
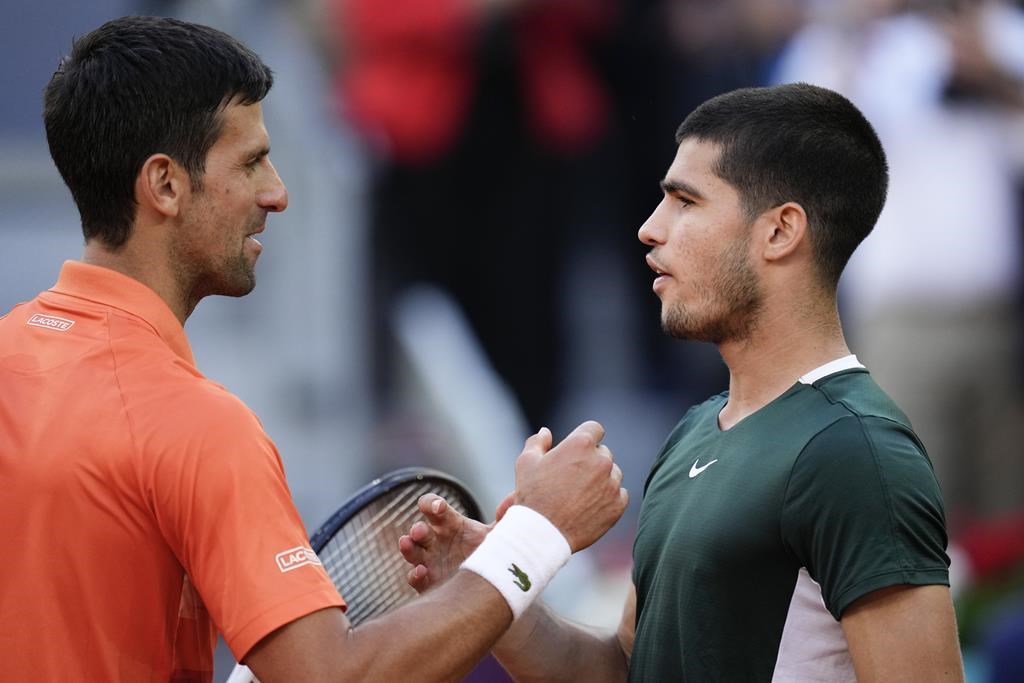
(863, 511)
(223, 505)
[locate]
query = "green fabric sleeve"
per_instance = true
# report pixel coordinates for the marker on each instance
(863, 511)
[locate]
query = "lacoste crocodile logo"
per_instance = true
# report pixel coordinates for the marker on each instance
(522, 580)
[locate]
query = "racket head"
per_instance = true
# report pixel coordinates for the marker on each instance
(358, 544)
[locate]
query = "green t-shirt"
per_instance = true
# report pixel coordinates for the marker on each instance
(747, 536)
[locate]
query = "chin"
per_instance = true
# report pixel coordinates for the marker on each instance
(676, 328)
(681, 325)
(237, 284)
(243, 291)
(245, 287)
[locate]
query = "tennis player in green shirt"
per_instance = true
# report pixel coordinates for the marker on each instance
(792, 528)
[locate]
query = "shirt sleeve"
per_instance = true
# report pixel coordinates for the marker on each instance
(863, 511)
(223, 505)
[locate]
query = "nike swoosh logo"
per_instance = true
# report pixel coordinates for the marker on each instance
(694, 470)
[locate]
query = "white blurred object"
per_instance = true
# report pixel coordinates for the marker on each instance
(467, 394)
(949, 228)
(961, 574)
(241, 674)
(462, 389)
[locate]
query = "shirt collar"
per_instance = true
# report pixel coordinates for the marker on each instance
(114, 289)
(830, 368)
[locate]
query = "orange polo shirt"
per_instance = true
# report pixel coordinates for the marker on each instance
(142, 506)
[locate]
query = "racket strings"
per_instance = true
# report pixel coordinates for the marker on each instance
(360, 530)
(400, 508)
(368, 570)
(362, 557)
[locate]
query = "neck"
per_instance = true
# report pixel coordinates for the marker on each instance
(155, 273)
(776, 354)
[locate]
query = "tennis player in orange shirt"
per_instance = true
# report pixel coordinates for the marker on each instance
(143, 505)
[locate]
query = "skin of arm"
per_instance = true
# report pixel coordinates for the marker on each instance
(543, 646)
(441, 635)
(540, 645)
(904, 633)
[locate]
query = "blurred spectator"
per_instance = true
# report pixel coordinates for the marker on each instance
(1005, 648)
(484, 116)
(990, 596)
(932, 293)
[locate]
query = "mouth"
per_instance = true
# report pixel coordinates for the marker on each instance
(663, 275)
(252, 235)
(653, 265)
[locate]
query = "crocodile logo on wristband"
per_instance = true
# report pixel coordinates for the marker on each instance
(522, 580)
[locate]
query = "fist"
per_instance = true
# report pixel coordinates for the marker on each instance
(576, 484)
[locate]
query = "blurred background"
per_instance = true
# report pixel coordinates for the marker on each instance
(458, 265)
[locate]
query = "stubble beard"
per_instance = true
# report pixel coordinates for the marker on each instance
(236, 279)
(233, 276)
(734, 301)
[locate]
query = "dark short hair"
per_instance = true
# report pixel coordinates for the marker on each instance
(134, 87)
(805, 144)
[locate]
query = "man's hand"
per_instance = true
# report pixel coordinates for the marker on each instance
(436, 547)
(576, 485)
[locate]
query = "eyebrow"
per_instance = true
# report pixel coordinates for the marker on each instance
(679, 187)
(259, 153)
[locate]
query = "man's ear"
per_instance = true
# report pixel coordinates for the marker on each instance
(162, 185)
(786, 230)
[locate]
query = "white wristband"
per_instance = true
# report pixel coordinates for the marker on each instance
(519, 556)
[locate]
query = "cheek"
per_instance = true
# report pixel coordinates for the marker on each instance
(690, 260)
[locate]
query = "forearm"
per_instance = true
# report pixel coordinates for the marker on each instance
(439, 637)
(542, 646)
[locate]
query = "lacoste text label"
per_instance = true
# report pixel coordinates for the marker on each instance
(295, 558)
(50, 322)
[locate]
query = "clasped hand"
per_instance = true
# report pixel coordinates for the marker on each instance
(576, 485)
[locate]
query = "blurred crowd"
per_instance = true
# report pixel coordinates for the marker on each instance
(510, 149)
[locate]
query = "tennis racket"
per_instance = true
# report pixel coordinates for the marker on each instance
(358, 544)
